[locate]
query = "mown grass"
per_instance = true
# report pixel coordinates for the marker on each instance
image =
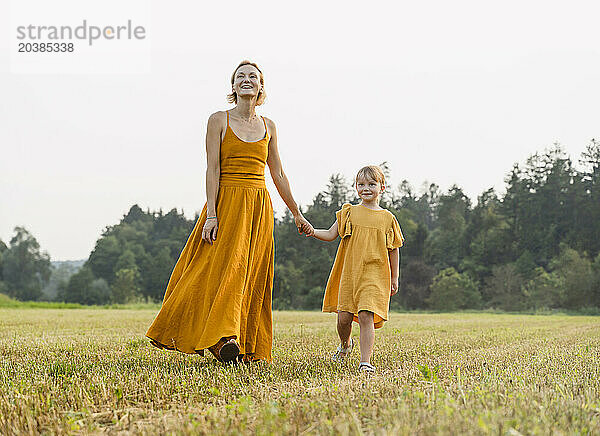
(91, 371)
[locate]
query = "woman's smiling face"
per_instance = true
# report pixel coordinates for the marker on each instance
(246, 81)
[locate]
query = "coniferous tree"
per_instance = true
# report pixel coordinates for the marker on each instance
(588, 207)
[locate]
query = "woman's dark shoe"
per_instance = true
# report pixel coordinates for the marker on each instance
(229, 351)
(226, 350)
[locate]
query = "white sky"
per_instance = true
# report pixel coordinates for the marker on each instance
(449, 92)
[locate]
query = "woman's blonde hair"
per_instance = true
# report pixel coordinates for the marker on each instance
(372, 172)
(260, 99)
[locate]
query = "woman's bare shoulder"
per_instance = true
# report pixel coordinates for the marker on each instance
(270, 126)
(218, 117)
(270, 122)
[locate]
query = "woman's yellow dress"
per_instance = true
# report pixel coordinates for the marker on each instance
(225, 289)
(361, 275)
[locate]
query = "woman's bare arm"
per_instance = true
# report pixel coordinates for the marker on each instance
(213, 171)
(327, 235)
(282, 183)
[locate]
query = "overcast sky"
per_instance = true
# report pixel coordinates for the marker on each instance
(448, 92)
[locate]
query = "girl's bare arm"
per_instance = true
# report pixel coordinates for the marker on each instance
(329, 234)
(394, 256)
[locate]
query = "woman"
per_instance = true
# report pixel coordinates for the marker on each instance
(219, 294)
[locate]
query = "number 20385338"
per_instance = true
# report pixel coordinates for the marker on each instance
(46, 47)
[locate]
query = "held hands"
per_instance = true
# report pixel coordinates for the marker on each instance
(303, 225)
(209, 231)
(394, 286)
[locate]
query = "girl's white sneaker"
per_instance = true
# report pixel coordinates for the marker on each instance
(341, 354)
(366, 368)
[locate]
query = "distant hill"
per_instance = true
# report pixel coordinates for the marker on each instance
(72, 263)
(62, 270)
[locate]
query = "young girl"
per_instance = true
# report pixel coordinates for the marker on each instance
(365, 271)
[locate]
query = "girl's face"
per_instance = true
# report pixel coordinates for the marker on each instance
(246, 81)
(368, 189)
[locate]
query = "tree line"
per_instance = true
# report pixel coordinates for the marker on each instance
(536, 246)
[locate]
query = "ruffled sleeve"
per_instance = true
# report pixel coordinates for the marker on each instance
(393, 236)
(343, 220)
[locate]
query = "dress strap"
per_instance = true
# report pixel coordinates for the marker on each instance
(265, 123)
(227, 112)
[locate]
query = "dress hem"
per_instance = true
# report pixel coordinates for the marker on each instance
(200, 352)
(335, 309)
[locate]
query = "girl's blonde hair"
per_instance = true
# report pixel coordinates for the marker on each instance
(260, 99)
(372, 172)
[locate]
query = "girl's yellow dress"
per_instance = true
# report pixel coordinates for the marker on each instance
(361, 276)
(224, 289)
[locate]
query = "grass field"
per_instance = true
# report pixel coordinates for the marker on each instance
(92, 371)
